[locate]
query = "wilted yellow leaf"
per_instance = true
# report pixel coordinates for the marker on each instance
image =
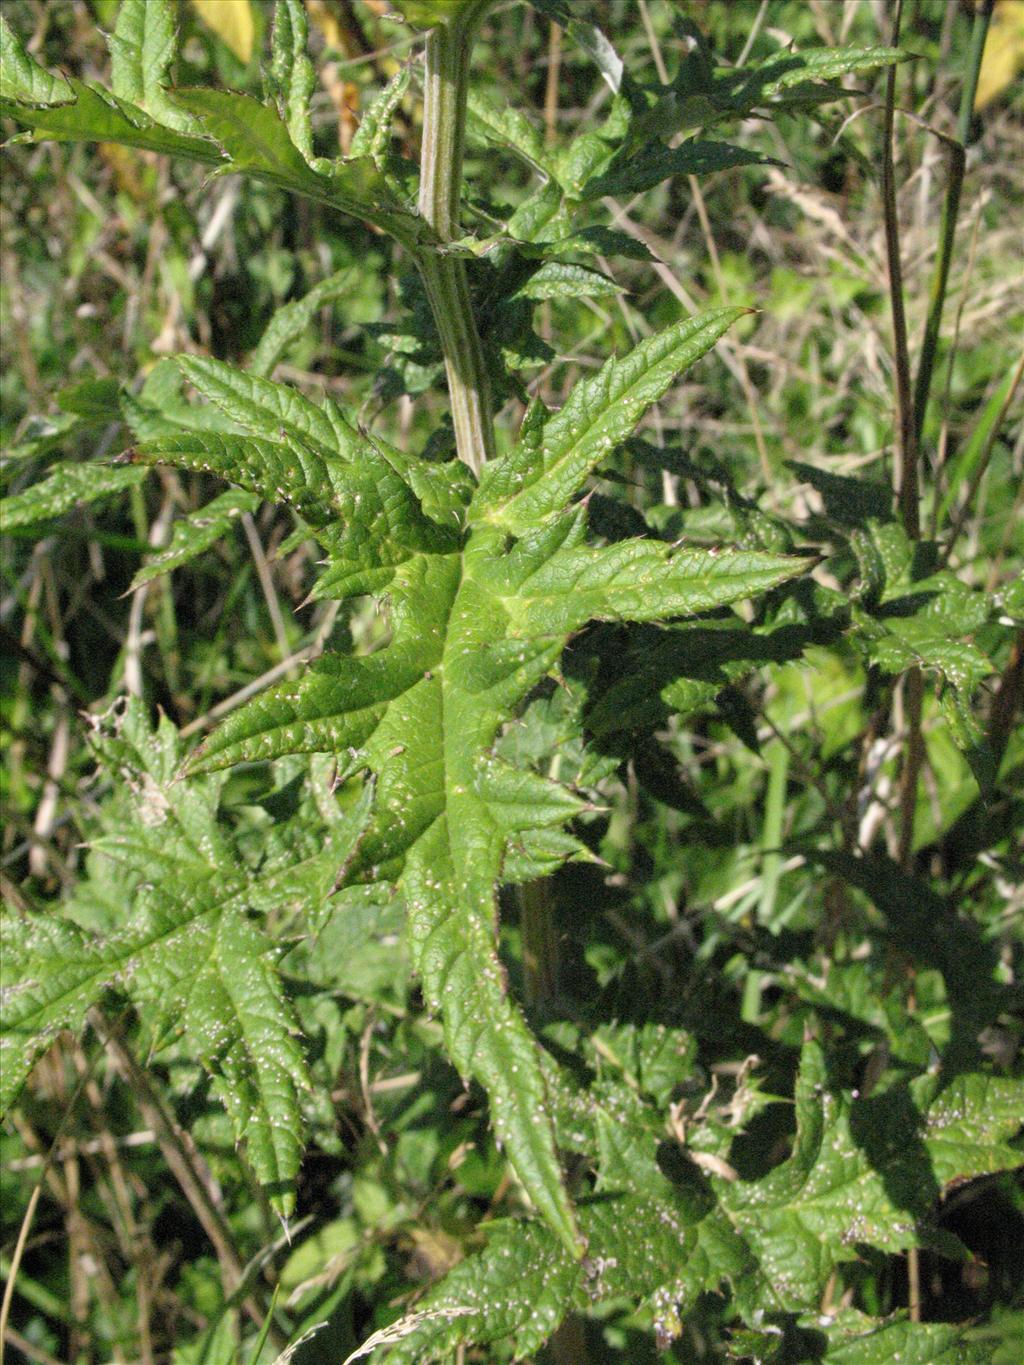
(233, 23)
(1004, 51)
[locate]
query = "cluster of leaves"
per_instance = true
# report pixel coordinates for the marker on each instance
(537, 644)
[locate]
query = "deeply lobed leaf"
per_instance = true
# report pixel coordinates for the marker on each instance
(549, 466)
(477, 619)
(776, 1240)
(189, 954)
(70, 485)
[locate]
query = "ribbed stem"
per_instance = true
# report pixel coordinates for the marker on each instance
(444, 277)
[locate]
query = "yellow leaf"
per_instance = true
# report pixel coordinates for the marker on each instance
(1004, 51)
(232, 21)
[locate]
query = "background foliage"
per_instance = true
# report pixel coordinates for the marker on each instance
(781, 998)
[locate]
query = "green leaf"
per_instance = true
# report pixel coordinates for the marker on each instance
(475, 624)
(245, 136)
(790, 78)
(256, 141)
(292, 78)
(858, 1172)
(70, 485)
(519, 1289)
(632, 580)
(916, 624)
(291, 320)
(142, 48)
(52, 974)
(25, 80)
(869, 1171)
(540, 474)
(193, 535)
(374, 132)
(632, 172)
(505, 126)
(603, 241)
(703, 95)
(241, 1028)
(515, 1291)
(76, 111)
(189, 953)
(964, 665)
(559, 280)
(972, 1124)
(332, 475)
(591, 152)
(850, 1337)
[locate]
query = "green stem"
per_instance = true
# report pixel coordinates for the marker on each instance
(444, 277)
(446, 82)
(950, 213)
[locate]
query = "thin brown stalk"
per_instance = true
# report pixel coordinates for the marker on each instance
(908, 497)
(187, 1167)
(29, 1216)
(266, 578)
(551, 85)
(906, 446)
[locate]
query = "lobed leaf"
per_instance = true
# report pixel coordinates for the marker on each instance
(194, 535)
(69, 485)
(475, 624)
(77, 111)
(242, 135)
(852, 1176)
(256, 141)
(540, 474)
(370, 503)
(374, 132)
(189, 954)
(142, 47)
(633, 172)
(868, 1172)
(292, 78)
(703, 94)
